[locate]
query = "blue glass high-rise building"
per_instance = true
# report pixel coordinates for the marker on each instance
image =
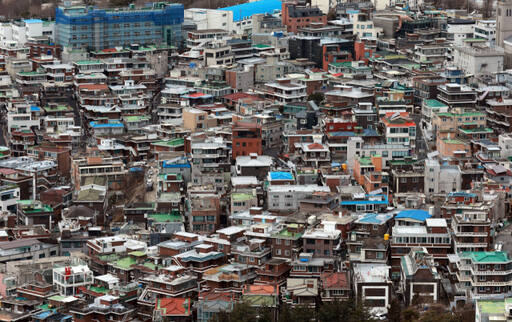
(81, 27)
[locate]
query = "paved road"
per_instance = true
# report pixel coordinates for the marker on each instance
(3, 129)
(505, 237)
(150, 196)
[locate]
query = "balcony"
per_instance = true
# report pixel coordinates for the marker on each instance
(463, 278)
(490, 273)
(471, 234)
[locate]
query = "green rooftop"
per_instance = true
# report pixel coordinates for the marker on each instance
(108, 258)
(99, 289)
(137, 253)
(173, 217)
(434, 103)
(260, 300)
(136, 118)
(365, 161)
(150, 265)
(171, 143)
(493, 307)
(477, 130)
(452, 141)
(90, 195)
(58, 108)
(57, 298)
(26, 206)
(241, 196)
(486, 257)
(88, 62)
(36, 73)
(474, 40)
(125, 263)
(261, 46)
(285, 233)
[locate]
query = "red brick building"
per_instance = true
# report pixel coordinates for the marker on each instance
(246, 138)
(295, 17)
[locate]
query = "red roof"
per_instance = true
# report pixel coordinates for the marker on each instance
(109, 50)
(406, 121)
(337, 74)
(334, 280)
(256, 289)
(238, 96)
(173, 306)
(6, 171)
(195, 95)
(93, 86)
(316, 146)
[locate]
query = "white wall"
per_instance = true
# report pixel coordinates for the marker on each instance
(460, 32)
(210, 18)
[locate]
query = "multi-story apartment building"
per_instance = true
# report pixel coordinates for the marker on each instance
(456, 95)
(322, 242)
(483, 275)
(399, 128)
(419, 277)
(91, 166)
(9, 196)
(285, 91)
(34, 212)
(372, 284)
(499, 115)
(295, 16)
(471, 227)
(203, 209)
(210, 159)
(93, 28)
(28, 171)
(287, 197)
(246, 138)
(67, 279)
(415, 228)
(287, 243)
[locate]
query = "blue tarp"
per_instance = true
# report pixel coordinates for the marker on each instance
(246, 10)
(280, 175)
(175, 165)
(416, 214)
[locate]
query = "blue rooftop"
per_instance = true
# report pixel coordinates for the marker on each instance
(35, 108)
(167, 164)
(366, 132)
(280, 175)
(462, 194)
(369, 200)
(376, 219)
(32, 20)
(96, 125)
(416, 214)
(246, 10)
(43, 315)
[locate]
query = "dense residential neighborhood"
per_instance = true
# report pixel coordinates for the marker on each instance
(266, 161)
